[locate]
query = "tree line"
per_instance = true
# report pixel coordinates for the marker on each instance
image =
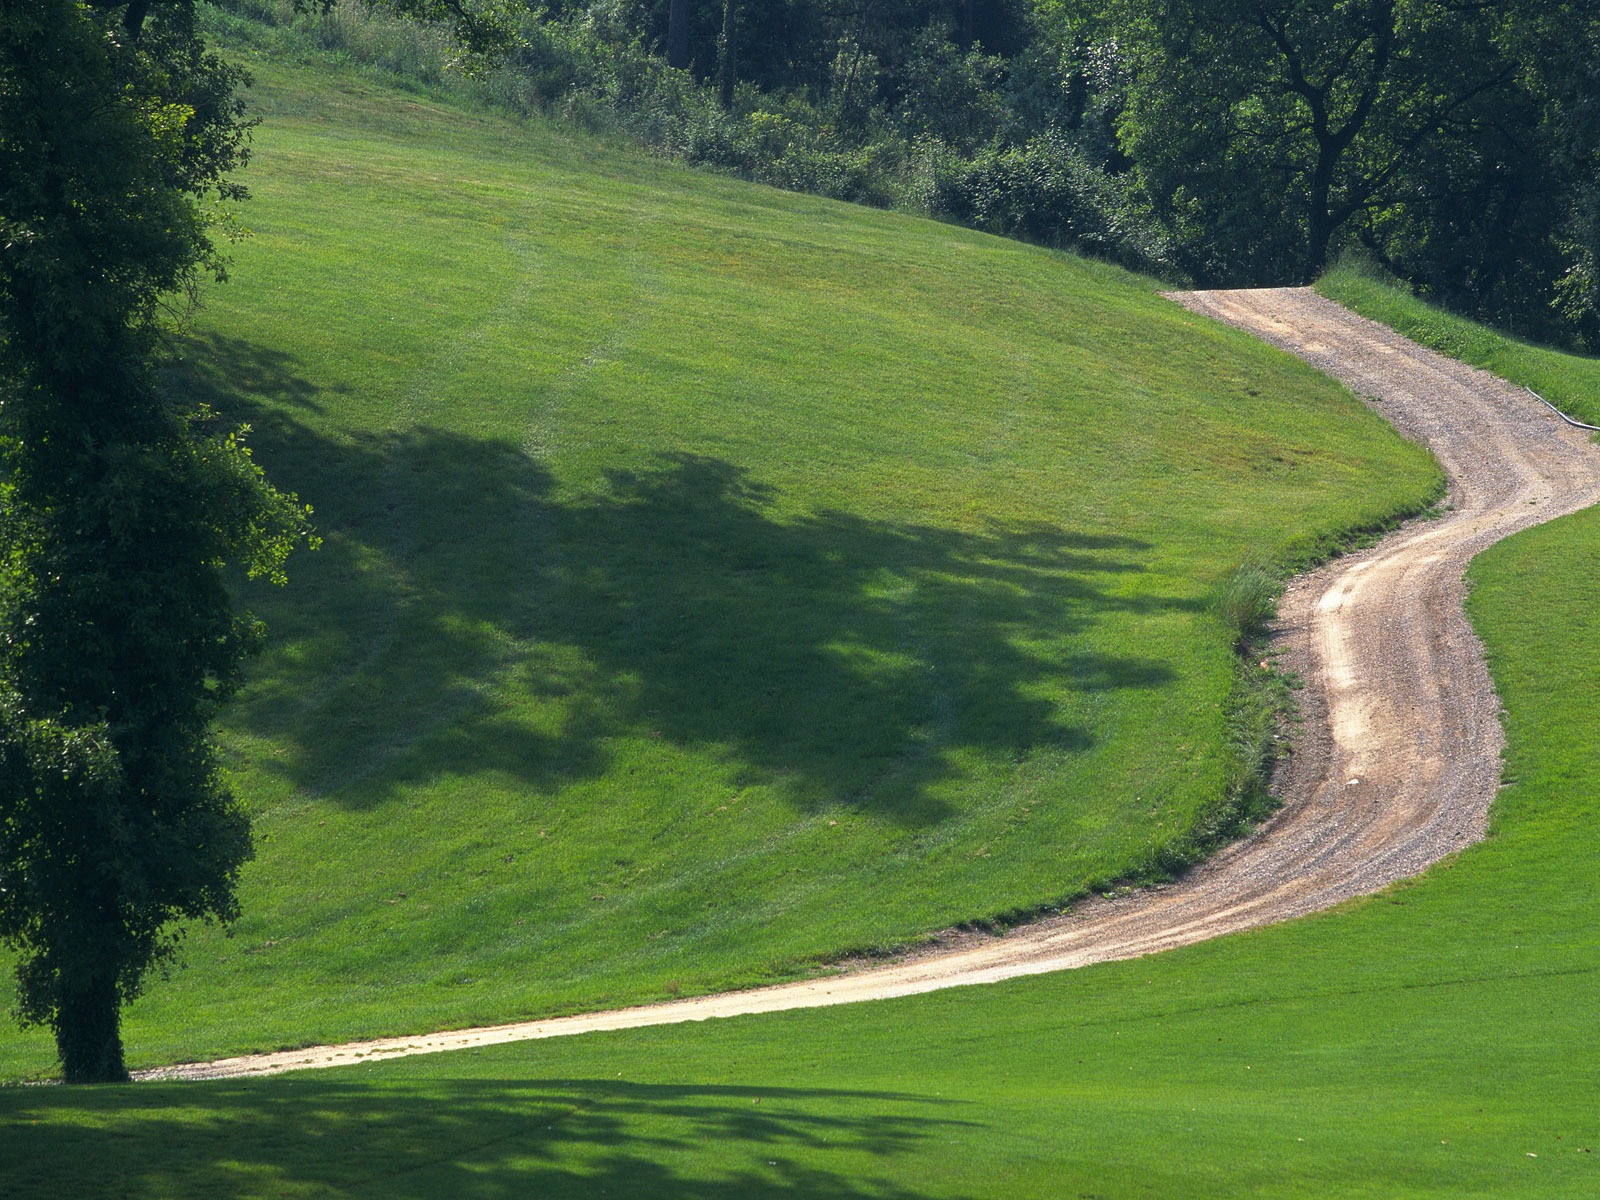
(1455, 143)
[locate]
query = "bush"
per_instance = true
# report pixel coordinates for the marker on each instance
(952, 94)
(1048, 192)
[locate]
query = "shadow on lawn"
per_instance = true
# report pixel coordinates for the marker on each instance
(839, 658)
(459, 1139)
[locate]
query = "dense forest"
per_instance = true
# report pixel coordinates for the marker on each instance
(1454, 143)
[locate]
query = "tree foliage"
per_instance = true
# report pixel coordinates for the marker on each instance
(1261, 128)
(122, 509)
(1439, 135)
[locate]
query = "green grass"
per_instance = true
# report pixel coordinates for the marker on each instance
(1569, 381)
(1435, 1041)
(715, 579)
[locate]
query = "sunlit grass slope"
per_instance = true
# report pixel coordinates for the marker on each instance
(1436, 1041)
(714, 579)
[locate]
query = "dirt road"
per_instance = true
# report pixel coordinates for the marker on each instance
(1400, 754)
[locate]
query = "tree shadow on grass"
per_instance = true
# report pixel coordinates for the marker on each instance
(329, 1134)
(838, 658)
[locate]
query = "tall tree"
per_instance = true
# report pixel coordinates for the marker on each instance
(1558, 42)
(727, 65)
(678, 16)
(122, 507)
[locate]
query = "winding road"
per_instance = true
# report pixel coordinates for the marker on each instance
(1399, 757)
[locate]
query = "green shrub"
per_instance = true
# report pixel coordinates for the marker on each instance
(1047, 192)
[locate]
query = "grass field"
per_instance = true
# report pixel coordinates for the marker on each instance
(715, 580)
(1436, 1041)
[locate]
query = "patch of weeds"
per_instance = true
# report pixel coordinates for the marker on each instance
(1248, 603)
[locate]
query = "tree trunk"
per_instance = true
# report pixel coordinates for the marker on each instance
(727, 67)
(678, 35)
(86, 1033)
(1320, 223)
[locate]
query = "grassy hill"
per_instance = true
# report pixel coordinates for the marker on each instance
(1434, 1041)
(715, 580)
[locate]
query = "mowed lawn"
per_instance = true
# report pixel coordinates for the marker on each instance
(1435, 1041)
(714, 580)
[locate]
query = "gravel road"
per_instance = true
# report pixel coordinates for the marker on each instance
(1399, 756)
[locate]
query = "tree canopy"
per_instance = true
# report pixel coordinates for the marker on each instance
(1263, 130)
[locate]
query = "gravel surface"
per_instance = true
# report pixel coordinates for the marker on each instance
(1399, 755)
